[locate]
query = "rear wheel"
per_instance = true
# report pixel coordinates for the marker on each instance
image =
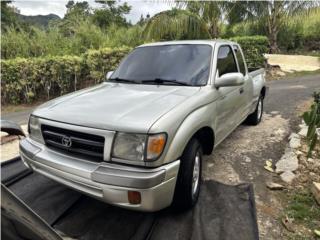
(189, 177)
(255, 117)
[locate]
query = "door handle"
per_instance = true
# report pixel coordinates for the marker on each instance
(241, 90)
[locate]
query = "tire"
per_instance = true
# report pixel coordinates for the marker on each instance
(255, 117)
(189, 177)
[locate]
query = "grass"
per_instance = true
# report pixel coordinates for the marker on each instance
(314, 53)
(305, 212)
(18, 108)
(303, 207)
(294, 75)
(302, 73)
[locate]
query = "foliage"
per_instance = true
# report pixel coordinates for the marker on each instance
(303, 207)
(174, 25)
(253, 47)
(27, 80)
(111, 13)
(37, 42)
(301, 31)
(99, 62)
(211, 13)
(312, 119)
(41, 21)
(275, 14)
(8, 16)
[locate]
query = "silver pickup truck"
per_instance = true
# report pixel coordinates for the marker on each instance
(138, 139)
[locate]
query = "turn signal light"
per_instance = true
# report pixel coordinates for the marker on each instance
(156, 145)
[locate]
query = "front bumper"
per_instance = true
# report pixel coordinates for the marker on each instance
(106, 181)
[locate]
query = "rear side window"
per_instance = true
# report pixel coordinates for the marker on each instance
(226, 62)
(240, 59)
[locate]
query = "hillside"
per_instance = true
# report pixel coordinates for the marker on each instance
(38, 20)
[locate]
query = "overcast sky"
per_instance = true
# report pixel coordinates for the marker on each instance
(58, 7)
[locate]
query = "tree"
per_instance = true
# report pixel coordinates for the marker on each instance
(211, 12)
(110, 13)
(274, 15)
(77, 10)
(175, 24)
(8, 16)
(141, 21)
(76, 13)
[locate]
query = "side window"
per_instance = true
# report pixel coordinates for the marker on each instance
(240, 60)
(226, 62)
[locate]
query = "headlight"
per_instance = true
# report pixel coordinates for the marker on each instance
(138, 147)
(35, 129)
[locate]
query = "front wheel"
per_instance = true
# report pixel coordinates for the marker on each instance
(255, 117)
(189, 177)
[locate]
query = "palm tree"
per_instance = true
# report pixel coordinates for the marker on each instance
(211, 12)
(274, 14)
(175, 24)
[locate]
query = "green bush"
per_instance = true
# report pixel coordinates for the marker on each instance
(99, 62)
(253, 47)
(26, 80)
(54, 42)
(301, 31)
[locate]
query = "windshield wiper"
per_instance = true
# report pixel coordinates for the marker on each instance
(122, 80)
(161, 81)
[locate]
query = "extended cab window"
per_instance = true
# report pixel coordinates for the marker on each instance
(226, 62)
(240, 59)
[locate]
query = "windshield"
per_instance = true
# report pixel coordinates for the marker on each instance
(169, 64)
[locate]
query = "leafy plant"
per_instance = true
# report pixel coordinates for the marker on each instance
(254, 47)
(25, 80)
(312, 119)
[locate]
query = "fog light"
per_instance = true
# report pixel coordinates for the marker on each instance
(134, 197)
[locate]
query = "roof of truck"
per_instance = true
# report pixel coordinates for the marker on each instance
(208, 42)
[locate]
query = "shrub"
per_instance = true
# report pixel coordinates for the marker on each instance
(253, 47)
(99, 62)
(26, 80)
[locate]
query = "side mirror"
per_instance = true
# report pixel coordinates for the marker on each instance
(109, 74)
(229, 79)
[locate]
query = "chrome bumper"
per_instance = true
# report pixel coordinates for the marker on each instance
(105, 181)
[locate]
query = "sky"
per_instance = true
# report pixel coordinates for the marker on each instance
(57, 7)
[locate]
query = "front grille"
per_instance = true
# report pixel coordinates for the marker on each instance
(84, 145)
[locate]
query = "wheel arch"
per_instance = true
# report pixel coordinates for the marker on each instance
(206, 137)
(263, 92)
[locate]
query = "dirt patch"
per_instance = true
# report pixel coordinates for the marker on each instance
(304, 106)
(292, 63)
(10, 149)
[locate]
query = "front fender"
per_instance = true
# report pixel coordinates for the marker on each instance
(201, 117)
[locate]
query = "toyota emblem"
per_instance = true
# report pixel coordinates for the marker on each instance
(66, 141)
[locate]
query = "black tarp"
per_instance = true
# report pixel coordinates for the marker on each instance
(223, 212)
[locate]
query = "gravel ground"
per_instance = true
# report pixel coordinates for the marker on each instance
(241, 157)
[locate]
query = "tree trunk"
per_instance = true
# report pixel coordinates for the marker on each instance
(273, 24)
(273, 37)
(214, 30)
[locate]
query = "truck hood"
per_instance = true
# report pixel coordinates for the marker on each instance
(116, 106)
